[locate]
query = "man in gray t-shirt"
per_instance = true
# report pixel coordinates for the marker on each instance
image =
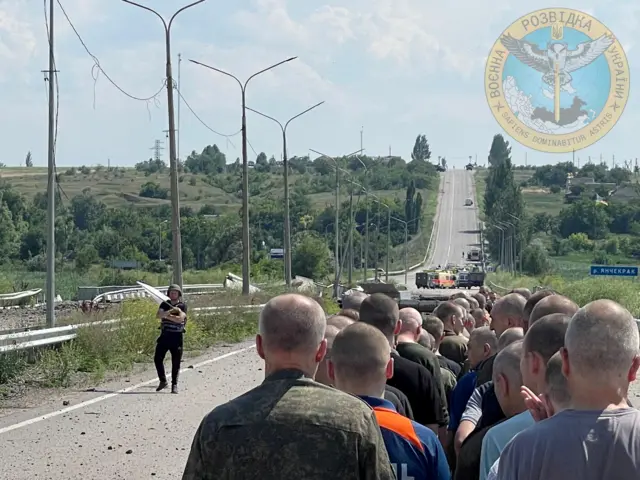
(598, 437)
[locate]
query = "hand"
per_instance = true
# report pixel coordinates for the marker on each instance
(469, 324)
(536, 404)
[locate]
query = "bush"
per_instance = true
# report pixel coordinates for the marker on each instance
(535, 260)
(555, 189)
(600, 257)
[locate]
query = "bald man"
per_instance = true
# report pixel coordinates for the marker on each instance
(353, 299)
(481, 317)
(532, 302)
(463, 302)
(360, 365)
(599, 437)
(552, 304)
(289, 414)
(408, 347)
(453, 345)
(414, 380)
(427, 340)
(395, 396)
(506, 313)
(339, 321)
(524, 292)
(435, 327)
(350, 313)
(507, 380)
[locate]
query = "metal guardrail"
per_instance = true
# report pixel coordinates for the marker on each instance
(91, 292)
(51, 336)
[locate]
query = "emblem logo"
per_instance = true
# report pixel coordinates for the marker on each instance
(557, 80)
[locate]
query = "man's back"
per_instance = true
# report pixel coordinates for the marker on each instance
(399, 400)
(420, 387)
(289, 427)
(414, 450)
(589, 445)
(454, 347)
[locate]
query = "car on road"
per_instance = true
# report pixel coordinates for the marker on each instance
(468, 202)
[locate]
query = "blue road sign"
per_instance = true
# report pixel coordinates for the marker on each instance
(616, 271)
(276, 253)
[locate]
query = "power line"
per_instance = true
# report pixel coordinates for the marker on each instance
(227, 136)
(98, 67)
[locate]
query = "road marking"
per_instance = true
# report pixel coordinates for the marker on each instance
(102, 398)
(453, 197)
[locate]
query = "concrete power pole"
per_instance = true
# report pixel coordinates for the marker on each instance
(51, 184)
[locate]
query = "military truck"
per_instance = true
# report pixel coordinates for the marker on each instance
(469, 279)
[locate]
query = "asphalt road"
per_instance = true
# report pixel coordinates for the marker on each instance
(456, 226)
(131, 435)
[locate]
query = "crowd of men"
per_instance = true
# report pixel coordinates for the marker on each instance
(519, 387)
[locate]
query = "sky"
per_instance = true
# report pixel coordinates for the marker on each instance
(392, 69)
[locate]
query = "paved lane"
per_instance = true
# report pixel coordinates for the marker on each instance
(456, 225)
(156, 429)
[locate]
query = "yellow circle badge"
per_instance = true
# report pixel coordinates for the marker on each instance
(557, 80)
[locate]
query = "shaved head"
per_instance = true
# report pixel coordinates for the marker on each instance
(546, 336)
(411, 320)
(507, 312)
(339, 321)
(556, 386)
(350, 313)
(602, 341)
(330, 335)
(484, 335)
(473, 303)
(380, 311)
(524, 292)
(507, 363)
(360, 356)
(479, 316)
(552, 304)
(354, 300)
(509, 336)
(426, 340)
(463, 302)
(292, 323)
(481, 299)
(533, 301)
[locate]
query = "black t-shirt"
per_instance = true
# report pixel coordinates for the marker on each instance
(468, 462)
(399, 400)
(450, 365)
(167, 326)
(485, 370)
(420, 387)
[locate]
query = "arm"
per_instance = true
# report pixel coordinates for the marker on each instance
(470, 418)
(373, 459)
(441, 465)
(196, 468)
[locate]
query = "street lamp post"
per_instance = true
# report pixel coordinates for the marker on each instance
(366, 228)
(519, 241)
(246, 240)
(173, 161)
(285, 161)
(337, 220)
(406, 246)
(386, 273)
(509, 248)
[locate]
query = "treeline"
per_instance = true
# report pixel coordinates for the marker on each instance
(88, 232)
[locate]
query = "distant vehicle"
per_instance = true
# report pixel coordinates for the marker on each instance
(435, 279)
(470, 279)
(468, 202)
(441, 168)
(469, 166)
(474, 255)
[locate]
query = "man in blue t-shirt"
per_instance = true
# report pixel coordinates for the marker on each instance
(360, 364)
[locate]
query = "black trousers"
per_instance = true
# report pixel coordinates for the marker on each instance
(168, 342)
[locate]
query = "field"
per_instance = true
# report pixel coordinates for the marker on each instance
(120, 187)
(537, 200)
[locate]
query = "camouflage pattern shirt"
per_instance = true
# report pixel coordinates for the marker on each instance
(290, 427)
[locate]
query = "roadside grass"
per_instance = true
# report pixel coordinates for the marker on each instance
(105, 351)
(582, 291)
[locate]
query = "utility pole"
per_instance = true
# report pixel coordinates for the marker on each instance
(386, 267)
(176, 259)
(285, 163)
(51, 184)
(361, 139)
(179, 102)
(246, 239)
(573, 157)
(350, 237)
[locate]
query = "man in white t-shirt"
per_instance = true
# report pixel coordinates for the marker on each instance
(598, 438)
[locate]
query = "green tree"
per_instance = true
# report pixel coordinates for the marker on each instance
(28, 161)
(310, 256)
(421, 151)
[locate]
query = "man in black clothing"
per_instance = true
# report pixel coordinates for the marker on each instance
(435, 327)
(412, 379)
(173, 316)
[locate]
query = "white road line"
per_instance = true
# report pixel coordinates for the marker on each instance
(62, 411)
(453, 198)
